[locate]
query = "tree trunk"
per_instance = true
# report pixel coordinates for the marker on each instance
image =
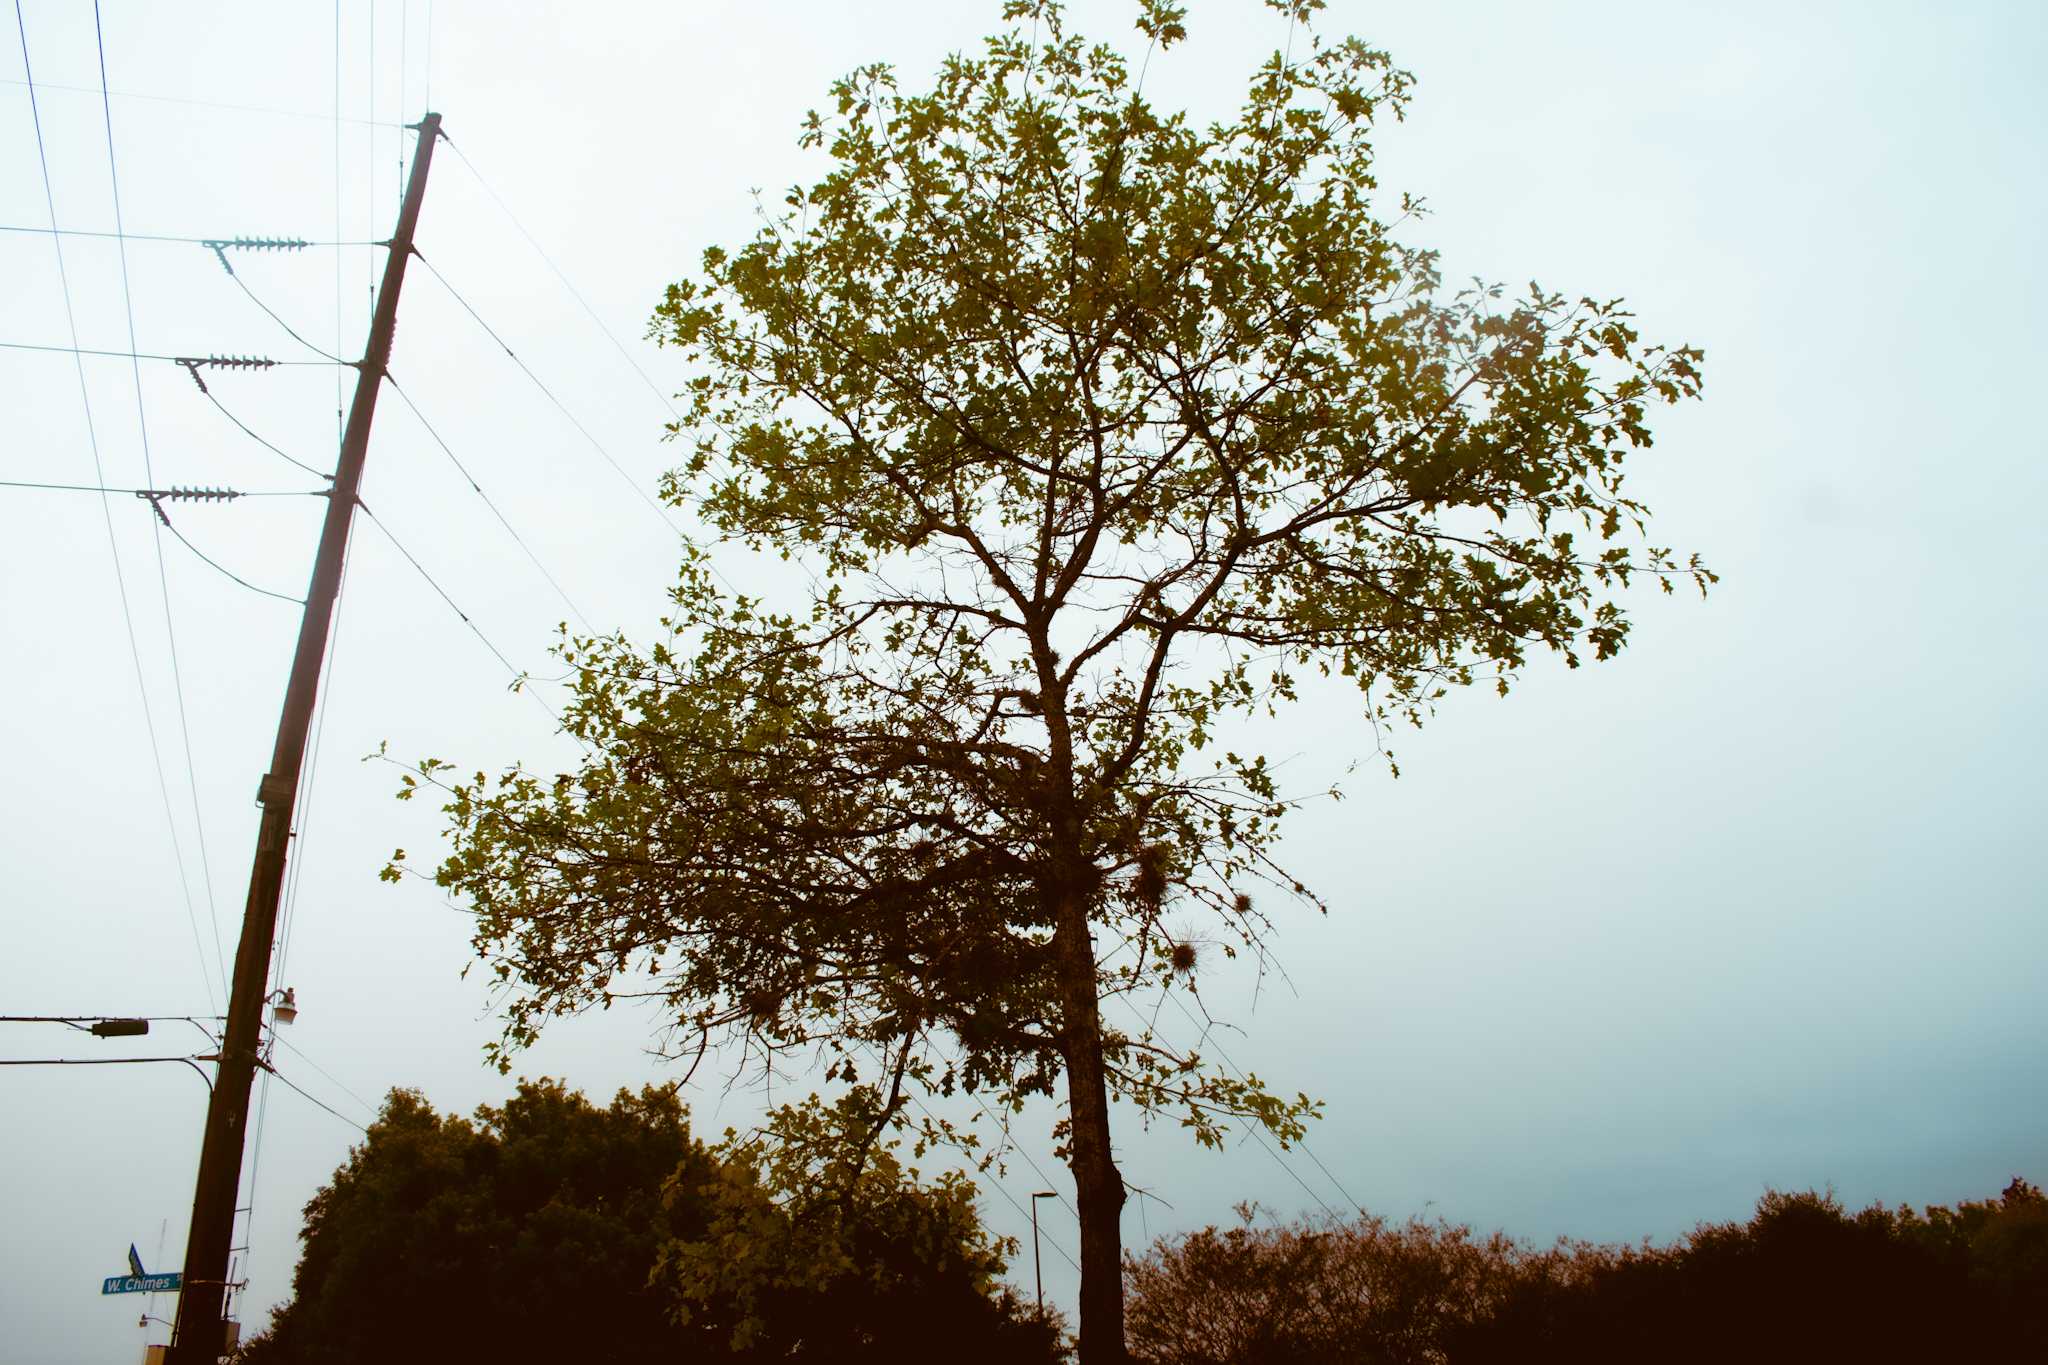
(1098, 1186)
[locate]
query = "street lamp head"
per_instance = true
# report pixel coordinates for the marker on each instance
(284, 1006)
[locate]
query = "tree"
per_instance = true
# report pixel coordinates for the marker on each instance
(1095, 429)
(550, 1230)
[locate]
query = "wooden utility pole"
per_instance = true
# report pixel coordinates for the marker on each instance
(198, 1338)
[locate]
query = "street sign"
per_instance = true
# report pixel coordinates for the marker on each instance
(143, 1284)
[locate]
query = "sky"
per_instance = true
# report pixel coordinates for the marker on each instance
(1758, 905)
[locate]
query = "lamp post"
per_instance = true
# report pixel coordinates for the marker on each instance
(1037, 1272)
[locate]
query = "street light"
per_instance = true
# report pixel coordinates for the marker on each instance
(1037, 1273)
(96, 1025)
(284, 1006)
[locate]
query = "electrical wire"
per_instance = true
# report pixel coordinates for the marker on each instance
(519, 677)
(155, 236)
(205, 104)
(149, 471)
(289, 459)
(477, 488)
(524, 369)
(192, 1062)
(280, 960)
(142, 492)
(90, 1061)
(1306, 1150)
(243, 285)
(998, 1187)
(219, 568)
(575, 293)
(338, 381)
(1251, 1131)
(76, 1019)
(113, 545)
(297, 1052)
(234, 362)
(294, 1087)
(1042, 1177)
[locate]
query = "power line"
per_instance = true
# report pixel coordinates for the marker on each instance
(478, 490)
(641, 493)
(145, 492)
(524, 369)
(311, 785)
(94, 1018)
(998, 1186)
(1043, 1178)
(296, 1052)
(338, 383)
(1306, 1150)
(518, 676)
(157, 236)
(220, 361)
(293, 1086)
(207, 104)
(289, 459)
(574, 292)
(156, 497)
(219, 568)
(1022, 1212)
(1249, 1129)
(91, 1061)
(106, 512)
(149, 471)
(243, 285)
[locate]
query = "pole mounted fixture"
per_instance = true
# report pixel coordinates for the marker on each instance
(99, 1026)
(200, 1337)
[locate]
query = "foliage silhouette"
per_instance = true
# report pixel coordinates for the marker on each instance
(1802, 1280)
(549, 1229)
(1096, 429)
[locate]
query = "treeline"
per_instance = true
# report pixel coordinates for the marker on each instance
(549, 1229)
(1803, 1280)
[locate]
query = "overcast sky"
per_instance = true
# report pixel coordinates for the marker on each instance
(1760, 904)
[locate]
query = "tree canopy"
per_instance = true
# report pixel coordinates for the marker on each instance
(549, 1229)
(1094, 427)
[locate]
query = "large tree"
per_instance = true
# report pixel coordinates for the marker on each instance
(1092, 426)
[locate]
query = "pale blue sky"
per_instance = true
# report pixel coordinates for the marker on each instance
(1758, 904)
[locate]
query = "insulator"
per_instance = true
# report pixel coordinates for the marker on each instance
(199, 494)
(229, 362)
(257, 243)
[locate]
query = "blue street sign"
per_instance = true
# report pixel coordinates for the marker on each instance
(135, 1261)
(143, 1284)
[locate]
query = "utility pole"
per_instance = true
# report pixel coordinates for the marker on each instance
(199, 1336)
